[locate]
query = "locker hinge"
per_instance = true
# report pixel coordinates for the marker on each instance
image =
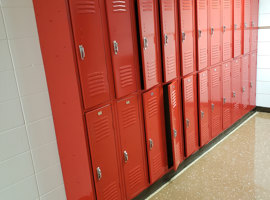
(174, 133)
(212, 31)
(82, 52)
(199, 34)
(166, 38)
(151, 144)
(99, 174)
(125, 156)
(145, 43)
(115, 47)
(183, 36)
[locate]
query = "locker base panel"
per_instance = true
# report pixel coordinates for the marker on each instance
(167, 177)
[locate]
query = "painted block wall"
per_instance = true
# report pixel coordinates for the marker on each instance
(29, 162)
(263, 73)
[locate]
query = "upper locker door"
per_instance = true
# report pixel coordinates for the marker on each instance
(187, 36)
(226, 88)
(202, 25)
(254, 24)
(236, 89)
(88, 36)
(237, 18)
(245, 83)
(247, 25)
(168, 24)
(253, 75)
(155, 133)
(215, 28)
(122, 48)
(205, 134)
(176, 125)
(132, 145)
(227, 29)
(216, 97)
(148, 20)
(190, 115)
(103, 153)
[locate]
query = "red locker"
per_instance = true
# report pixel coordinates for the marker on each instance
(227, 29)
(132, 145)
(176, 125)
(122, 47)
(247, 24)
(237, 18)
(202, 27)
(245, 84)
(168, 30)
(252, 76)
(236, 89)
(216, 103)
(190, 114)
(254, 24)
(148, 21)
(88, 36)
(103, 153)
(155, 133)
(215, 28)
(204, 105)
(227, 97)
(187, 36)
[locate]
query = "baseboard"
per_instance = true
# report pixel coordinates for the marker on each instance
(262, 109)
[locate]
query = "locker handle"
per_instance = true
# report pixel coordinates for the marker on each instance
(99, 174)
(183, 36)
(82, 52)
(125, 156)
(213, 106)
(245, 25)
(252, 24)
(199, 33)
(235, 26)
(174, 133)
(224, 29)
(212, 31)
(145, 43)
(115, 47)
(224, 100)
(166, 38)
(251, 84)
(151, 144)
(244, 89)
(188, 122)
(234, 94)
(202, 114)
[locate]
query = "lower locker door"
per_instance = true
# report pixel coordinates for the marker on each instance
(236, 90)
(254, 39)
(244, 84)
(176, 126)
(226, 83)
(155, 133)
(190, 115)
(205, 134)
(216, 104)
(103, 153)
(187, 50)
(252, 76)
(237, 43)
(132, 145)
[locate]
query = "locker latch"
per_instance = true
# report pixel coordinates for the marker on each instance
(99, 174)
(166, 38)
(115, 47)
(145, 43)
(125, 156)
(82, 52)
(212, 31)
(244, 89)
(213, 106)
(202, 114)
(252, 24)
(234, 94)
(251, 85)
(224, 29)
(235, 26)
(188, 122)
(174, 133)
(183, 36)
(224, 100)
(199, 33)
(151, 144)
(245, 24)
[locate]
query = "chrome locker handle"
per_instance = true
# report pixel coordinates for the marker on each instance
(166, 38)
(125, 156)
(145, 43)
(251, 85)
(99, 174)
(235, 26)
(183, 36)
(234, 94)
(224, 100)
(115, 47)
(174, 133)
(213, 106)
(82, 52)
(252, 24)
(244, 89)
(199, 33)
(245, 25)
(202, 114)
(212, 31)
(151, 144)
(188, 122)
(224, 29)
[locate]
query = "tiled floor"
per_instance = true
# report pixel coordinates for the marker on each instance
(237, 168)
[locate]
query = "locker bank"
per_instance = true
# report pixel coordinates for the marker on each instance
(134, 99)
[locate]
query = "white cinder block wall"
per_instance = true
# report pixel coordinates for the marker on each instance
(263, 74)
(29, 161)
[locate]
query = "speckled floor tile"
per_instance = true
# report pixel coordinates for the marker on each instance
(237, 168)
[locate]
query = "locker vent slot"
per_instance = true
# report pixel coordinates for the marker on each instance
(157, 163)
(204, 87)
(111, 192)
(86, 7)
(202, 4)
(151, 70)
(126, 76)
(119, 6)
(227, 4)
(135, 177)
(174, 102)
(96, 84)
(236, 71)
(215, 80)
(129, 116)
(215, 52)
(188, 60)
(238, 3)
(227, 49)
(215, 4)
(203, 56)
(147, 5)
(168, 5)
(237, 46)
(101, 128)
(152, 106)
(171, 64)
(187, 4)
(227, 115)
(216, 122)
(177, 150)
(189, 92)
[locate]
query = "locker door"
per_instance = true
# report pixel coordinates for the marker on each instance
(237, 27)
(176, 125)
(252, 83)
(149, 42)
(155, 133)
(103, 153)
(254, 39)
(190, 115)
(245, 84)
(204, 105)
(132, 144)
(168, 22)
(216, 105)
(202, 24)
(186, 36)
(236, 89)
(215, 26)
(247, 26)
(227, 29)
(226, 83)
(122, 48)
(254, 12)
(88, 36)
